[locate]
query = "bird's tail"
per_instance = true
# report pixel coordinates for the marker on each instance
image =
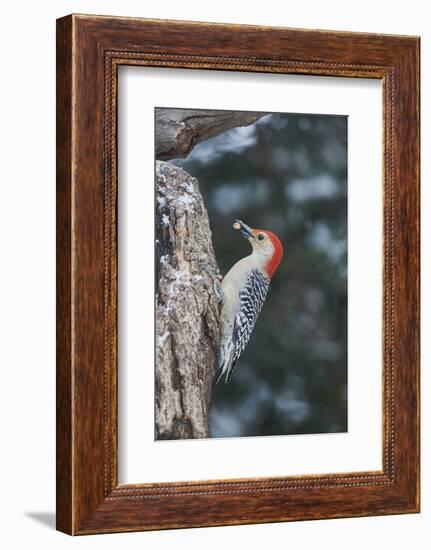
(225, 364)
(217, 377)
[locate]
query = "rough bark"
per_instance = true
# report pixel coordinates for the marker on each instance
(187, 332)
(179, 130)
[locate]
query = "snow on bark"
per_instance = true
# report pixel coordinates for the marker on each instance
(187, 318)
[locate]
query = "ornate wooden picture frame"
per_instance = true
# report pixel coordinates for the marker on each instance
(89, 51)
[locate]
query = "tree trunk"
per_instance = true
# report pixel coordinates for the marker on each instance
(187, 332)
(187, 316)
(179, 130)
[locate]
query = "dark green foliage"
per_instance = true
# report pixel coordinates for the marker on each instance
(286, 173)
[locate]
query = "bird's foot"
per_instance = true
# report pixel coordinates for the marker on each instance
(218, 290)
(216, 278)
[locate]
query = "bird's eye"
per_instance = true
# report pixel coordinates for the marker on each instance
(261, 236)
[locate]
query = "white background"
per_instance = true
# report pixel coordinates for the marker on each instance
(141, 458)
(27, 122)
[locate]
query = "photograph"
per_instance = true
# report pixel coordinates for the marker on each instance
(250, 273)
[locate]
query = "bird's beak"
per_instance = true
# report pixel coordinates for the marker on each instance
(246, 231)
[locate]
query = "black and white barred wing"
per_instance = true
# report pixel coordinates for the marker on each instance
(252, 297)
(234, 341)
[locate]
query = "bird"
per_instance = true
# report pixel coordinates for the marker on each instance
(244, 289)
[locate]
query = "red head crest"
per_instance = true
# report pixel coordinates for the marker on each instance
(275, 259)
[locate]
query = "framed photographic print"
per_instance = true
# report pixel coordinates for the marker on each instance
(237, 274)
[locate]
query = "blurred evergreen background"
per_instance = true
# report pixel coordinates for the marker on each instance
(286, 173)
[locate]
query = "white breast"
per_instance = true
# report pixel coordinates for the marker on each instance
(233, 281)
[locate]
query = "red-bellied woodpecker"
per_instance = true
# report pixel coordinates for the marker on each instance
(244, 291)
